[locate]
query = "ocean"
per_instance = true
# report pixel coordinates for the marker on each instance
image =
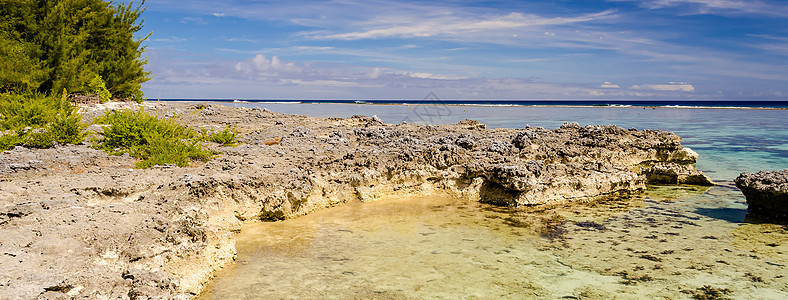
(671, 242)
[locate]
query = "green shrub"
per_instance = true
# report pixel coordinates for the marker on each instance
(67, 129)
(161, 149)
(38, 138)
(226, 137)
(155, 141)
(10, 140)
(97, 87)
(39, 121)
(21, 111)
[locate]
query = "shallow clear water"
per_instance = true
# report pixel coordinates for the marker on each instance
(667, 243)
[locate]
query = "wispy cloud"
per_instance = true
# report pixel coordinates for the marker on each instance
(193, 20)
(533, 49)
(722, 7)
(263, 74)
(260, 65)
(172, 39)
(673, 86)
(452, 25)
(609, 85)
(243, 40)
(770, 43)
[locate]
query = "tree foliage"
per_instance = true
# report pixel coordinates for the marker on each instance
(50, 45)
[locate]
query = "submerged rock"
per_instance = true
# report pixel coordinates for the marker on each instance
(767, 195)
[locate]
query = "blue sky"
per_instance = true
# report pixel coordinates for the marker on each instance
(347, 49)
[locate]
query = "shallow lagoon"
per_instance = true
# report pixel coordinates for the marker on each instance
(669, 242)
(666, 243)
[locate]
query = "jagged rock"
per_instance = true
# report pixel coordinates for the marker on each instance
(208, 110)
(684, 156)
(472, 124)
(573, 125)
(523, 139)
(302, 132)
(767, 195)
(674, 173)
(377, 134)
(465, 141)
(147, 283)
(500, 147)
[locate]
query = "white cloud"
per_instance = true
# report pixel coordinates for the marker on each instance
(770, 43)
(454, 25)
(311, 48)
(757, 7)
(486, 42)
(670, 87)
(273, 78)
(243, 40)
(193, 20)
(217, 14)
(466, 27)
(172, 39)
(436, 76)
(608, 85)
(261, 65)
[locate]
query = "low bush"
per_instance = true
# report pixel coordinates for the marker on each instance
(38, 121)
(155, 141)
(225, 137)
(10, 140)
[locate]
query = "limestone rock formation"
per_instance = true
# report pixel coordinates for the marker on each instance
(767, 195)
(78, 223)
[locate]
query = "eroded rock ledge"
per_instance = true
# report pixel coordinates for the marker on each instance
(75, 222)
(767, 195)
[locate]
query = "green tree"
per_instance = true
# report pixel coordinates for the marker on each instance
(21, 68)
(51, 45)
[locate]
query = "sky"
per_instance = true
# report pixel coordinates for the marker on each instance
(480, 50)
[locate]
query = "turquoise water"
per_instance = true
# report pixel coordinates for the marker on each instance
(729, 141)
(671, 242)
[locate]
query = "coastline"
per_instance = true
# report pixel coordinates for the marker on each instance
(782, 105)
(109, 230)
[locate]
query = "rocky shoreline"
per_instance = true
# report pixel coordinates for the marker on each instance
(75, 222)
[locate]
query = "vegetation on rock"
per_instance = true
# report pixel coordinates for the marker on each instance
(225, 137)
(155, 141)
(38, 121)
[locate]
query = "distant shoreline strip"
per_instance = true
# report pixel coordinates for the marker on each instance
(533, 103)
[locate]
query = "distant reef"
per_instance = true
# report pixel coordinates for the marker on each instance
(78, 223)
